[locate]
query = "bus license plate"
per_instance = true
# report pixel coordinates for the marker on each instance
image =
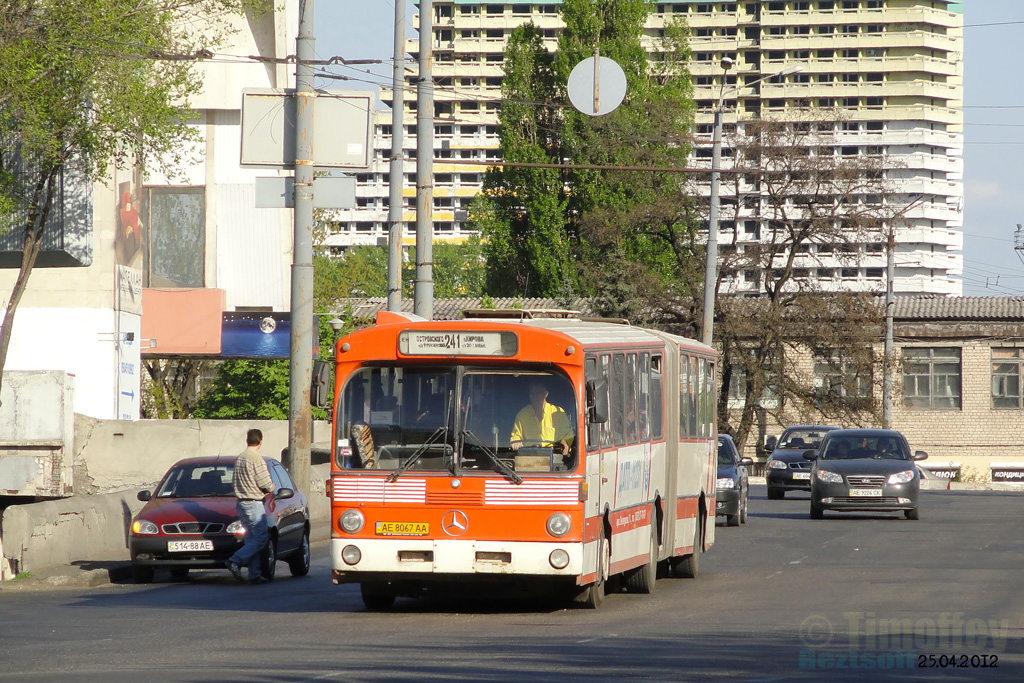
(402, 528)
(188, 546)
(866, 493)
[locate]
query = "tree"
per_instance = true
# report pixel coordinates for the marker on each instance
(808, 201)
(172, 388)
(576, 229)
(96, 84)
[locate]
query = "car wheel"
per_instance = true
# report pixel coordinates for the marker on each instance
(776, 494)
(142, 573)
(912, 513)
(298, 563)
(268, 559)
(180, 572)
(376, 596)
(816, 511)
(642, 579)
(743, 508)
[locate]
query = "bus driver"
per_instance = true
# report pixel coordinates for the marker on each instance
(541, 423)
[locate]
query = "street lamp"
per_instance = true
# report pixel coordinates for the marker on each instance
(336, 325)
(711, 261)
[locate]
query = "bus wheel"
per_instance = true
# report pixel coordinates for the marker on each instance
(642, 579)
(592, 596)
(376, 596)
(688, 566)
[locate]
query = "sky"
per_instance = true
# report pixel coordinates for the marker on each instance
(993, 118)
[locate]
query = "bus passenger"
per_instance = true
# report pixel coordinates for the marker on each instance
(541, 423)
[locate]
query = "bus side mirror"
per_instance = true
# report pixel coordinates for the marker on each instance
(597, 400)
(320, 394)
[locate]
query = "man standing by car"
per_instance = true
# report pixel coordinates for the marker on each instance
(251, 482)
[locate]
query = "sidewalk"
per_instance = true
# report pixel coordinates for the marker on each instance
(91, 573)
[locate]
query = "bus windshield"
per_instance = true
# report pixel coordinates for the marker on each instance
(457, 419)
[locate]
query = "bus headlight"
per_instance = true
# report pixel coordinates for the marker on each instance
(559, 559)
(559, 524)
(351, 521)
(351, 555)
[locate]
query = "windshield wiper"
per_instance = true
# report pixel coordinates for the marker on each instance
(431, 440)
(499, 464)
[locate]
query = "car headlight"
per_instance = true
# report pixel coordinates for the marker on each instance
(829, 477)
(777, 465)
(236, 528)
(351, 521)
(144, 527)
(901, 477)
(559, 524)
(725, 483)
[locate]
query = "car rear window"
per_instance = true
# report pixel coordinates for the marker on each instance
(803, 439)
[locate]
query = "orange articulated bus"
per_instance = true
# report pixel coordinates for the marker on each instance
(554, 455)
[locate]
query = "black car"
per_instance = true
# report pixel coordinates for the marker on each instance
(190, 522)
(731, 489)
(865, 470)
(787, 469)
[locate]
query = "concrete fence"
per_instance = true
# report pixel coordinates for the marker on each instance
(84, 529)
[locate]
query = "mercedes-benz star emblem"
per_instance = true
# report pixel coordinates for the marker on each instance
(455, 522)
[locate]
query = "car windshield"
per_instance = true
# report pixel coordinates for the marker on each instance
(197, 481)
(725, 454)
(802, 439)
(457, 419)
(861, 446)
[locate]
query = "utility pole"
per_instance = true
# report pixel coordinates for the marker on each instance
(890, 305)
(300, 375)
(711, 255)
(423, 303)
(396, 207)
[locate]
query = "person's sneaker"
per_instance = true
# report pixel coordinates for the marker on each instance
(235, 569)
(259, 579)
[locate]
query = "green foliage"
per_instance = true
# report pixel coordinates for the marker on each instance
(459, 269)
(560, 231)
(245, 389)
(362, 272)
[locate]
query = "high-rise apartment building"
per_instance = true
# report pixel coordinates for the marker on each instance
(891, 69)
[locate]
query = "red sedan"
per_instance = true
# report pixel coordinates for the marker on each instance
(189, 522)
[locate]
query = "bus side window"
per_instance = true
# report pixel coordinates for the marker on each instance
(618, 391)
(684, 397)
(607, 435)
(630, 387)
(642, 393)
(593, 428)
(657, 403)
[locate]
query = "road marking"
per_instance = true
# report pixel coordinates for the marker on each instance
(771, 575)
(800, 560)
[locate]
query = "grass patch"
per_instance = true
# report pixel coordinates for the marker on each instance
(23, 576)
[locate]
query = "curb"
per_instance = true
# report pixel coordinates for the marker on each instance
(92, 573)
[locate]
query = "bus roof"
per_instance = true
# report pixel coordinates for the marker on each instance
(587, 331)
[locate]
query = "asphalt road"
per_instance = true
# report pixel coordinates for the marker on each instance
(850, 597)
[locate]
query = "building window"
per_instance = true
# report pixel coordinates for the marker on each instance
(835, 379)
(1006, 371)
(931, 378)
(176, 253)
